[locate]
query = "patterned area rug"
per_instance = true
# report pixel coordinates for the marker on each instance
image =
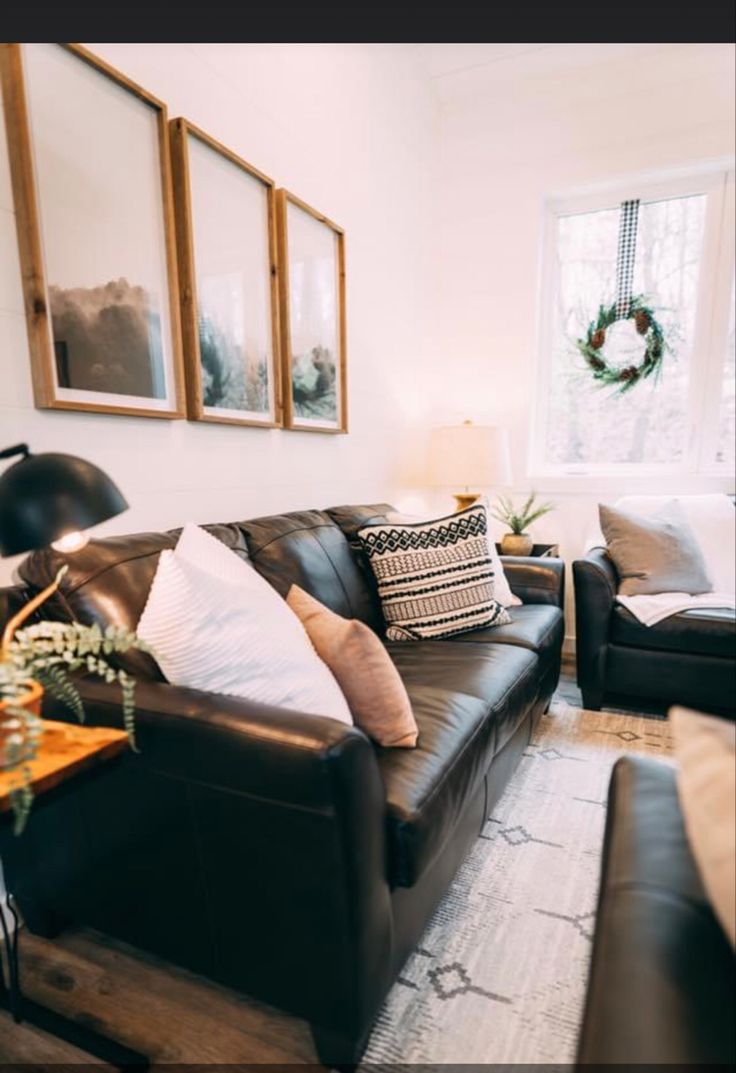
(501, 972)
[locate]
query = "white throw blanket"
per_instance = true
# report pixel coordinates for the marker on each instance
(652, 609)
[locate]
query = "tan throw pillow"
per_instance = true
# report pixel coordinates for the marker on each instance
(371, 684)
(705, 747)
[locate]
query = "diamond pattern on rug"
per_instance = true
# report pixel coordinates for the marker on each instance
(517, 836)
(577, 921)
(451, 980)
(501, 973)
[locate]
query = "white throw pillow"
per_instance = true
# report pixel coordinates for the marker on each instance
(712, 518)
(215, 624)
(501, 589)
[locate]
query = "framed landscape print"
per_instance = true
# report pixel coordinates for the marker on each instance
(226, 241)
(89, 161)
(312, 304)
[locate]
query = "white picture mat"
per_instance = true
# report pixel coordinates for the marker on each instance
(314, 313)
(99, 191)
(232, 258)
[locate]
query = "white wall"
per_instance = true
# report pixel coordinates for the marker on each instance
(442, 290)
(350, 129)
(520, 130)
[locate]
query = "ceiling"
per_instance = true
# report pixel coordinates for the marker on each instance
(440, 60)
(451, 64)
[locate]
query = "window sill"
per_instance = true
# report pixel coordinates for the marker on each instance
(631, 479)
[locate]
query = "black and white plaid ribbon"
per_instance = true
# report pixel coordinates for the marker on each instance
(627, 227)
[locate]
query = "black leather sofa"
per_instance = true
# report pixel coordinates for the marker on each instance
(280, 853)
(661, 988)
(688, 658)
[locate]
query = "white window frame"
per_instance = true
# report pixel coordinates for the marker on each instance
(709, 343)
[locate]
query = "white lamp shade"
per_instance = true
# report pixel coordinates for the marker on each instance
(469, 456)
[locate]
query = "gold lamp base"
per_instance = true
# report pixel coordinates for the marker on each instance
(463, 500)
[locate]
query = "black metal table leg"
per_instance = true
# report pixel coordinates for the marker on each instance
(10, 993)
(23, 1009)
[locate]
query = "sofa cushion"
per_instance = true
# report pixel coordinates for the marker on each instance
(707, 632)
(538, 627)
(467, 700)
(108, 582)
(306, 548)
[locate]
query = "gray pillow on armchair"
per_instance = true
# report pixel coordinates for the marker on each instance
(656, 553)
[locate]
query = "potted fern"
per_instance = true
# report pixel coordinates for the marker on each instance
(42, 657)
(517, 541)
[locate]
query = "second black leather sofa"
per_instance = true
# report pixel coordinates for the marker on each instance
(661, 992)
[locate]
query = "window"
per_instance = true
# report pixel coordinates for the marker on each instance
(726, 449)
(684, 420)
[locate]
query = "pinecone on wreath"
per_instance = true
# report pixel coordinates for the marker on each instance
(641, 319)
(598, 338)
(629, 373)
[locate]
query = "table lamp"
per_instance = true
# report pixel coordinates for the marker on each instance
(469, 456)
(46, 499)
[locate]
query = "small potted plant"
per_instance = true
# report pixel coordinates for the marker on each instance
(517, 541)
(42, 657)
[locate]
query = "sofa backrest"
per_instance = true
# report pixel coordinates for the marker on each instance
(310, 549)
(108, 581)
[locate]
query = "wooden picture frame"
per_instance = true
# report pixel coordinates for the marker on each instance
(301, 397)
(152, 384)
(252, 383)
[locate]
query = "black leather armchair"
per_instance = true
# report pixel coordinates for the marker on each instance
(688, 658)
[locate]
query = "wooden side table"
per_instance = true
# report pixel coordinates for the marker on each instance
(67, 755)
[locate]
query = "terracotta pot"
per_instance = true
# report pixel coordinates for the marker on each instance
(516, 544)
(12, 727)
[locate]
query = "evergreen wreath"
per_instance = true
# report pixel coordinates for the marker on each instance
(624, 377)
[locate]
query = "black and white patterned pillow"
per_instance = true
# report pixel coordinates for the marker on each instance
(434, 578)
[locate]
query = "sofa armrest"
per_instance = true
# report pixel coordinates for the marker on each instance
(596, 584)
(232, 743)
(282, 816)
(536, 580)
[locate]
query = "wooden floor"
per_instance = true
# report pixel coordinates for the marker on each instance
(163, 1012)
